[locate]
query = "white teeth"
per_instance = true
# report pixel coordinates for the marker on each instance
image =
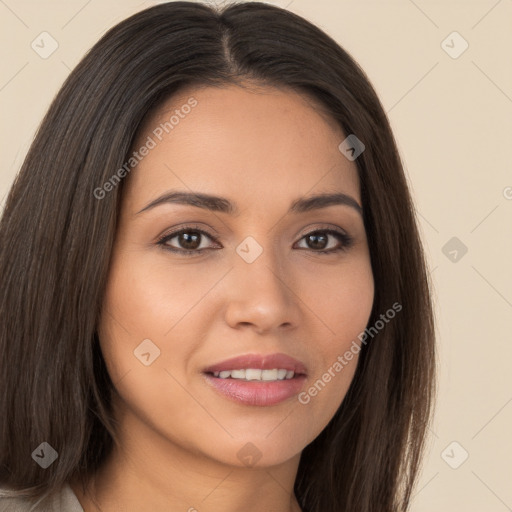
(251, 374)
(269, 374)
(256, 374)
(281, 374)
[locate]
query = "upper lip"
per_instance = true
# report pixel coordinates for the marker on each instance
(259, 362)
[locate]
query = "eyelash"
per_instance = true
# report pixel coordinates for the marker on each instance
(343, 237)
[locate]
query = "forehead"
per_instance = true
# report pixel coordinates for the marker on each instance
(242, 143)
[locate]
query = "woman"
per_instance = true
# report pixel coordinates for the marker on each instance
(214, 292)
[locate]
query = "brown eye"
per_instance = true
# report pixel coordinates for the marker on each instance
(318, 240)
(188, 240)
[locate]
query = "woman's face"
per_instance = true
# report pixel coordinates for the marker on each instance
(254, 283)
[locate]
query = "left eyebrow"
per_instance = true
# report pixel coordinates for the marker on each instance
(223, 205)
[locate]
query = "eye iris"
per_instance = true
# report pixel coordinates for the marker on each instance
(188, 241)
(315, 238)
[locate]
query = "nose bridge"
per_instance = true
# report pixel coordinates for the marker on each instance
(261, 294)
(260, 264)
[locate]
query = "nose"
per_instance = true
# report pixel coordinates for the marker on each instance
(261, 295)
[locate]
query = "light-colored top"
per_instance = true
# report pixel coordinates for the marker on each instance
(64, 501)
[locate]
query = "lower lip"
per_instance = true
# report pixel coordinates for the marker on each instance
(259, 393)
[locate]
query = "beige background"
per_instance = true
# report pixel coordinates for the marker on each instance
(452, 118)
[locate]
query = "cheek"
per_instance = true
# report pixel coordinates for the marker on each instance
(341, 300)
(139, 304)
(147, 299)
(144, 296)
(148, 302)
(342, 305)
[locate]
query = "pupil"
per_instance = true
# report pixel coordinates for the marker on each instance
(315, 243)
(189, 241)
(185, 241)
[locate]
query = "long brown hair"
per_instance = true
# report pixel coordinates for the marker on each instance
(57, 237)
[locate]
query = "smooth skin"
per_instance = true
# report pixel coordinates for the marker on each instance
(261, 148)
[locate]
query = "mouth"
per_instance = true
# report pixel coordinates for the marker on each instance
(257, 380)
(250, 374)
